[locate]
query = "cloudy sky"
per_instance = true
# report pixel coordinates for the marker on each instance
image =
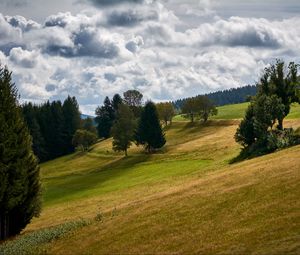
(167, 49)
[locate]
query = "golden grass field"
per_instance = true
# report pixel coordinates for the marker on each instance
(186, 199)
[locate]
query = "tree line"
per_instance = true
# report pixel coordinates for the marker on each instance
(224, 97)
(128, 121)
(52, 126)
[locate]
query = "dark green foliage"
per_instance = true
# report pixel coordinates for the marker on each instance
(283, 82)
(88, 124)
(245, 133)
(38, 142)
(224, 97)
(257, 132)
(105, 116)
(149, 132)
(19, 171)
(123, 129)
(116, 101)
(71, 122)
(83, 139)
(52, 126)
(58, 132)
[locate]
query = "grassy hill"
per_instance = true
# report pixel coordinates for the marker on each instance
(186, 199)
(237, 111)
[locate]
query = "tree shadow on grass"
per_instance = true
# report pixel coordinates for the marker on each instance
(68, 187)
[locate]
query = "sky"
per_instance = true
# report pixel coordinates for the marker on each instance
(167, 49)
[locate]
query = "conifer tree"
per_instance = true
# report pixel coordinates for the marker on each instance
(116, 101)
(71, 115)
(19, 170)
(149, 132)
(104, 118)
(123, 129)
(30, 113)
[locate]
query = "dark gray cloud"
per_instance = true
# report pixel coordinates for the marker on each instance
(252, 38)
(14, 3)
(110, 77)
(22, 23)
(59, 20)
(101, 3)
(134, 44)
(130, 17)
(50, 87)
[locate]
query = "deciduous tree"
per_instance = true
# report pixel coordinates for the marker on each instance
(123, 129)
(165, 111)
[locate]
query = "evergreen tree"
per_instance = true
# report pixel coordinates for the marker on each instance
(19, 171)
(104, 118)
(72, 120)
(149, 132)
(58, 131)
(116, 101)
(123, 129)
(45, 121)
(30, 113)
(245, 134)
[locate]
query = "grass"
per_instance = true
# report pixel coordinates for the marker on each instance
(185, 199)
(237, 111)
(31, 243)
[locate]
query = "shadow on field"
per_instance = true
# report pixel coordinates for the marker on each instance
(71, 186)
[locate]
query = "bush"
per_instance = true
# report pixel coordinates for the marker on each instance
(83, 139)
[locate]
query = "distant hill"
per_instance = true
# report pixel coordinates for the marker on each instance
(85, 116)
(225, 97)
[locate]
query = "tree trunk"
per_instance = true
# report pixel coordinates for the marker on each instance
(192, 117)
(280, 124)
(4, 226)
(126, 153)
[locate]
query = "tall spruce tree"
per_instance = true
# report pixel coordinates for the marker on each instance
(123, 129)
(19, 170)
(59, 134)
(116, 101)
(105, 116)
(72, 122)
(149, 132)
(30, 113)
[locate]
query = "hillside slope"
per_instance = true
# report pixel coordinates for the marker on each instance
(187, 199)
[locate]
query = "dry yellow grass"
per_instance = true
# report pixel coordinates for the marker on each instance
(250, 207)
(217, 208)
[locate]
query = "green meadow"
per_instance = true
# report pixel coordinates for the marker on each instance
(184, 199)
